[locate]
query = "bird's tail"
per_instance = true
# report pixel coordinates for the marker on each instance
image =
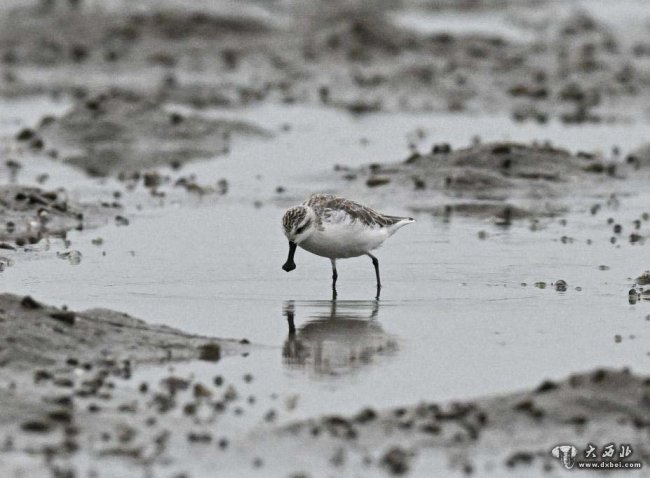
(399, 223)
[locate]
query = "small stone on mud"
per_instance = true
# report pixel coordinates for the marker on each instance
(546, 386)
(36, 426)
(443, 148)
(396, 461)
(25, 134)
(201, 391)
(174, 384)
(210, 352)
(366, 415)
(643, 279)
(374, 181)
(560, 285)
(618, 339)
(520, 457)
(270, 416)
(29, 303)
(41, 375)
(634, 238)
(73, 257)
(64, 316)
(199, 437)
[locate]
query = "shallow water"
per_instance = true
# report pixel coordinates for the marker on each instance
(454, 320)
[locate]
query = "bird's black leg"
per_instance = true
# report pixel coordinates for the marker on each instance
(289, 312)
(334, 277)
(375, 263)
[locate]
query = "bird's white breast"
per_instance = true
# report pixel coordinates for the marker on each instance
(344, 239)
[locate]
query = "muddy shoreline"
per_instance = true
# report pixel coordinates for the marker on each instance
(75, 399)
(160, 152)
(66, 376)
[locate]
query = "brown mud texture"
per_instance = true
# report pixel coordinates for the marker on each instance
(509, 432)
(29, 214)
(347, 54)
(500, 179)
(119, 132)
(67, 387)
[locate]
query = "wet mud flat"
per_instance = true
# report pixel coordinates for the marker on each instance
(30, 214)
(123, 133)
(348, 54)
(74, 401)
(505, 181)
(509, 433)
(67, 389)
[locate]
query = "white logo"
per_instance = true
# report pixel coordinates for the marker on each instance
(566, 454)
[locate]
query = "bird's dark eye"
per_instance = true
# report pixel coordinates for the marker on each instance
(302, 228)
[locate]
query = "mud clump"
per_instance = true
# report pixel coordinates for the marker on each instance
(639, 158)
(119, 132)
(501, 180)
(210, 352)
(496, 165)
(29, 214)
(396, 461)
(643, 279)
(31, 334)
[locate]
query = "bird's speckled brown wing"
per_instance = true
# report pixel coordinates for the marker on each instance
(335, 209)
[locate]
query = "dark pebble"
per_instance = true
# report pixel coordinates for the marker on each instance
(546, 386)
(396, 461)
(366, 415)
(36, 426)
(25, 134)
(64, 316)
(210, 352)
(29, 303)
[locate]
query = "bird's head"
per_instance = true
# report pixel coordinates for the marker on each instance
(298, 223)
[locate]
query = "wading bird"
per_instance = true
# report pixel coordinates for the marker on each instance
(337, 228)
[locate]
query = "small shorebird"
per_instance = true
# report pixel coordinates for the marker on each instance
(337, 228)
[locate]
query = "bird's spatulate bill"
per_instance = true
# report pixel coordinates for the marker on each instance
(290, 265)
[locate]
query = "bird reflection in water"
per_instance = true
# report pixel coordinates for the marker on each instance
(344, 337)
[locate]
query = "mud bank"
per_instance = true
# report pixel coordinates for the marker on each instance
(121, 132)
(504, 180)
(35, 334)
(510, 432)
(67, 390)
(30, 214)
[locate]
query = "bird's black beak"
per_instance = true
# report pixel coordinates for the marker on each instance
(290, 265)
